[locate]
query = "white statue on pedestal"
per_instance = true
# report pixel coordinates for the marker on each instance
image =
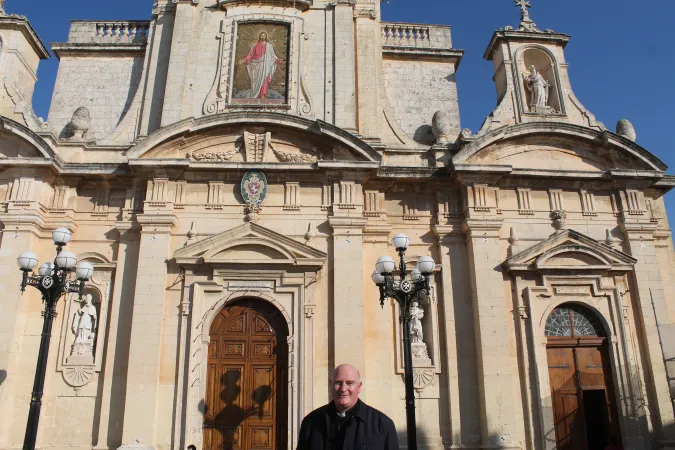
(84, 328)
(420, 354)
(538, 88)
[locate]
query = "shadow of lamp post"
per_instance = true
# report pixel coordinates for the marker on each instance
(53, 280)
(404, 291)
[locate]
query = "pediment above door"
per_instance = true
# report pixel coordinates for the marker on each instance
(250, 245)
(570, 251)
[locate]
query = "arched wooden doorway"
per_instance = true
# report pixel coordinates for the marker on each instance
(246, 393)
(584, 405)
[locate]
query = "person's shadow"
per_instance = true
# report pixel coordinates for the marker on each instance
(227, 422)
(3, 376)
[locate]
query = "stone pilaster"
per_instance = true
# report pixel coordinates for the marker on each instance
(21, 233)
(143, 378)
(497, 365)
(348, 298)
(456, 307)
(178, 62)
(652, 309)
(156, 66)
(368, 68)
(343, 76)
(114, 375)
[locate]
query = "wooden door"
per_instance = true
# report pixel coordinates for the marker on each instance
(583, 401)
(245, 396)
(570, 428)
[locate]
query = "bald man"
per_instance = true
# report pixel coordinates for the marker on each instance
(346, 423)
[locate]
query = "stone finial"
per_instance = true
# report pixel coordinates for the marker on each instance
(559, 218)
(80, 123)
(626, 129)
(513, 237)
(310, 235)
(192, 234)
(441, 126)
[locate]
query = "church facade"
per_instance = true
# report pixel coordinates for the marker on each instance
(234, 168)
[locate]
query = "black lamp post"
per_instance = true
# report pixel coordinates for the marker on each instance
(53, 280)
(404, 291)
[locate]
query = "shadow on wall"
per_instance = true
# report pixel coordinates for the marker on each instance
(3, 376)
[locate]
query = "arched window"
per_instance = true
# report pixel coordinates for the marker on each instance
(570, 320)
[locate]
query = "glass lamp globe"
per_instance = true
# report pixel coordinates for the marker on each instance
(385, 264)
(400, 241)
(84, 271)
(46, 269)
(66, 260)
(377, 278)
(426, 265)
(61, 236)
(416, 275)
(27, 261)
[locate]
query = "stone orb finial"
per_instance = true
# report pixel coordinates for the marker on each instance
(626, 129)
(80, 123)
(441, 126)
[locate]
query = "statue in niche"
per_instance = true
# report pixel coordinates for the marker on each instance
(84, 328)
(538, 88)
(416, 314)
(420, 354)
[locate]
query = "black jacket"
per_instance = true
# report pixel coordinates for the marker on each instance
(368, 429)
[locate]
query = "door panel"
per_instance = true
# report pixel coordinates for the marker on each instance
(581, 387)
(246, 370)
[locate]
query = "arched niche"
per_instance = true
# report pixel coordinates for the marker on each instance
(545, 64)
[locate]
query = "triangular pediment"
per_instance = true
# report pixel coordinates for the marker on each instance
(250, 244)
(570, 250)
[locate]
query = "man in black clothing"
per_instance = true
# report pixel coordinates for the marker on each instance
(347, 423)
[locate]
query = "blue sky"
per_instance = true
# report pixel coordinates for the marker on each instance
(621, 56)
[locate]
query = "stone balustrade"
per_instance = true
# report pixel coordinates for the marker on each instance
(411, 35)
(108, 32)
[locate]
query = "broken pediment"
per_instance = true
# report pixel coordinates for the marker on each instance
(250, 244)
(570, 250)
(556, 147)
(237, 140)
(20, 142)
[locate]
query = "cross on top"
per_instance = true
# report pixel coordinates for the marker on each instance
(523, 4)
(524, 13)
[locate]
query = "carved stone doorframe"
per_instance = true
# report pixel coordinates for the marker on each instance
(291, 295)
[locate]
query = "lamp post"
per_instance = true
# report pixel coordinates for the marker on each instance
(404, 291)
(53, 280)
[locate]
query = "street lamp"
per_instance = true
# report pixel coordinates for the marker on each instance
(404, 291)
(53, 280)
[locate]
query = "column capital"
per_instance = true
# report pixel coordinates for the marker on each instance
(343, 224)
(31, 223)
(157, 223)
(446, 233)
(475, 228)
(638, 230)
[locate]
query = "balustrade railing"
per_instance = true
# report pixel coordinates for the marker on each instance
(109, 32)
(407, 35)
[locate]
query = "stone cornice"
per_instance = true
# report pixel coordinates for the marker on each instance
(479, 228)
(21, 23)
(514, 35)
(80, 49)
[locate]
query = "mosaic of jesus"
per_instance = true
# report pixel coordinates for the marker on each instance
(260, 71)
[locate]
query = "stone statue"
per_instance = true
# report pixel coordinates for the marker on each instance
(84, 328)
(2, 8)
(538, 88)
(416, 314)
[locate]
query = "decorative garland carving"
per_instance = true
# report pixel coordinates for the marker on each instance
(293, 157)
(214, 156)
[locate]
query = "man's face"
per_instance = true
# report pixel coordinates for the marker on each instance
(346, 387)
(263, 36)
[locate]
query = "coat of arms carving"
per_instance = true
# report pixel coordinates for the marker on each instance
(253, 191)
